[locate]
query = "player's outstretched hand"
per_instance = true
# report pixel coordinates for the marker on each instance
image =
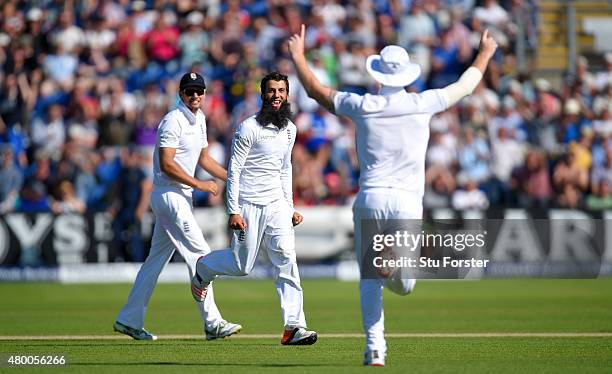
(236, 222)
(296, 44)
(488, 45)
(208, 186)
(297, 219)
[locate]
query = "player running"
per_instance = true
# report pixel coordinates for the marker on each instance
(181, 146)
(392, 131)
(260, 205)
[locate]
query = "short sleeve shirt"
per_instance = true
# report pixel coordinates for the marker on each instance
(392, 132)
(186, 134)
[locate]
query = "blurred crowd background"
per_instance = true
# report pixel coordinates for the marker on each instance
(84, 84)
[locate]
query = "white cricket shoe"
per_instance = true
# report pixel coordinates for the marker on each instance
(222, 330)
(374, 358)
(141, 334)
(299, 336)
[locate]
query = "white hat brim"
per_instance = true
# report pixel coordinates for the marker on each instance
(402, 79)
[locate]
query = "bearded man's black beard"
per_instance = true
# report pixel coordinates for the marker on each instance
(279, 118)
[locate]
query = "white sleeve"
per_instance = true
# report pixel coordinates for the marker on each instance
(464, 86)
(431, 101)
(169, 133)
(241, 145)
(287, 169)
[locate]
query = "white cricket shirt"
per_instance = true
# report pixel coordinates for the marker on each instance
(182, 130)
(392, 132)
(259, 170)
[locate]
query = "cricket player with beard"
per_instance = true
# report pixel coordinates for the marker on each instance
(260, 205)
(392, 132)
(181, 146)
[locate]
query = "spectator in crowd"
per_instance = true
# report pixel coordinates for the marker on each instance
(67, 202)
(548, 105)
(602, 199)
(34, 198)
(502, 165)
(571, 123)
(162, 41)
(351, 72)
(67, 34)
(13, 97)
(496, 18)
(439, 187)
(441, 151)
(469, 196)
(459, 34)
(131, 204)
(602, 173)
(417, 34)
(446, 61)
(194, 42)
(510, 119)
(317, 131)
(11, 179)
(49, 134)
(582, 149)
(474, 157)
(568, 173)
(603, 78)
(531, 181)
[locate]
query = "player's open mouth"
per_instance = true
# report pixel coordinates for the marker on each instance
(276, 104)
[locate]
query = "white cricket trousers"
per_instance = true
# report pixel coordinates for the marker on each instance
(381, 204)
(175, 229)
(268, 226)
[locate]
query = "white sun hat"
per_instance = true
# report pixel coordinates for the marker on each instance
(393, 67)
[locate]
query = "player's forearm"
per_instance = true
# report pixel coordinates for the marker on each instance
(287, 185)
(233, 206)
(214, 168)
(482, 61)
(321, 94)
(233, 187)
(464, 86)
(243, 141)
(174, 171)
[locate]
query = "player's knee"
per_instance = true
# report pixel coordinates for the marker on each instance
(286, 248)
(281, 250)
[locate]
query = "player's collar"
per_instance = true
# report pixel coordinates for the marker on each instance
(192, 118)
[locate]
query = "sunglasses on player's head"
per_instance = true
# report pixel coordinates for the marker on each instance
(191, 91)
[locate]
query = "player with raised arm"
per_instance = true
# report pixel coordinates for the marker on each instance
(392, 132)
(181, 146)
(260, 205)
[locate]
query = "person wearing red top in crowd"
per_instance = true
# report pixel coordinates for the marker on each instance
(162, 41)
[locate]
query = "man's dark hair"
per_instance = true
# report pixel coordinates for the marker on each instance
(273, 76)
(279, 118)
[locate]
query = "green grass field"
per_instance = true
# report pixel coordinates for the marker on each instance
(332, 308)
